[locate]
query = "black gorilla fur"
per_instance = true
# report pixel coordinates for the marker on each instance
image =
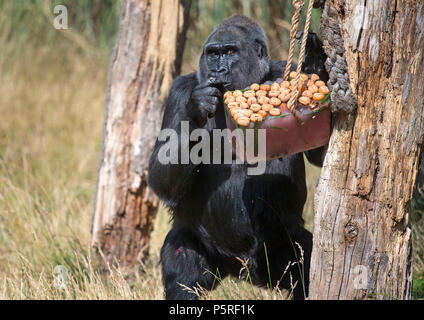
(219, 212)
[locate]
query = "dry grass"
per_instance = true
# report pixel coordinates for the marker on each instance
(52, 116)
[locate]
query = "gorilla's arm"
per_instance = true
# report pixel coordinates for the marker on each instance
(314, 63)
(171, 181)
(316, 156)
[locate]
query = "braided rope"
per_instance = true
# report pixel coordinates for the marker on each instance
(291, 103)
(298, 5)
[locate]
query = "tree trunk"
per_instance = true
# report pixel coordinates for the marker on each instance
(362, 242)
(146, 57)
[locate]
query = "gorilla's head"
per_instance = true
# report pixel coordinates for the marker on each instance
(234, 55)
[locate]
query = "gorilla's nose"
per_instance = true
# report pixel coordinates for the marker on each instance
(219, 71)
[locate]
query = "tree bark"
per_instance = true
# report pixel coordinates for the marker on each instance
(146, 57)
(362, 242)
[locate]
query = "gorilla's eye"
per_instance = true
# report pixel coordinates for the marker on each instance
(212, 53)
(230, 52)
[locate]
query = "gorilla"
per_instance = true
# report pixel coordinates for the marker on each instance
(220, 214)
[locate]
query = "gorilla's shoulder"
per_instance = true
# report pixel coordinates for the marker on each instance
(277, 65)
(181, 90)
(185, 82)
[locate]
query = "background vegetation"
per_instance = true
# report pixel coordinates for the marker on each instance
(52, 91)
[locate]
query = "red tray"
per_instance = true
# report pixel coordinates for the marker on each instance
(284, 133)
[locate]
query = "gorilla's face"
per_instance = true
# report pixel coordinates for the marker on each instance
(222, 61)
(235, 55)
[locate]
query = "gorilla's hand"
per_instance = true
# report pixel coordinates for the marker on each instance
(204, 100)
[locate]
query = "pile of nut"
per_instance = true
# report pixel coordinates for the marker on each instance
(271, 98)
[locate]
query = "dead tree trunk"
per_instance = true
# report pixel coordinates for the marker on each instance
(146, 57)
(362, 242)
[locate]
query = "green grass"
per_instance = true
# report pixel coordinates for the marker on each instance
(418, 286)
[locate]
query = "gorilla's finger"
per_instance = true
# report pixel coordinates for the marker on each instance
(211, 82)
(207, 107)
(211, 99)
(209, 91)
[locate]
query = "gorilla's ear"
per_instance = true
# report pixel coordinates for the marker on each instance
(261, 48)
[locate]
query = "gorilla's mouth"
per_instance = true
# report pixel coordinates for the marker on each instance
(223, 84)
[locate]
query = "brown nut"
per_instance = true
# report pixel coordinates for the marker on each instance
(285, 90)
(249, 93)
(274, 93)
(303, 77)
(310, 83)
(243, 121)
(237, 93)
(266, 107)
(255, 107)
(304, 100)
(275, 101)
(275, 86)
(318, 96)
(256, 117)
(237, 115)
(244, 105)
(254, 86)
(265, 87)
(314, 77)
(285, 84)
(251, 100)
(324, 90)
(313, 89)
(227, 94)
(262, 113)
(263, 99)
(286, 98)
(307, 93)
(233, 105)
(293, 74)
(246, 112)
(233, 111)
(319, 83)
(275, 112)
(261, 93)
(230, 99)
(241, 99)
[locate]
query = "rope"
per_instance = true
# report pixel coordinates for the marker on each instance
(293, 97)
(298, 5)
